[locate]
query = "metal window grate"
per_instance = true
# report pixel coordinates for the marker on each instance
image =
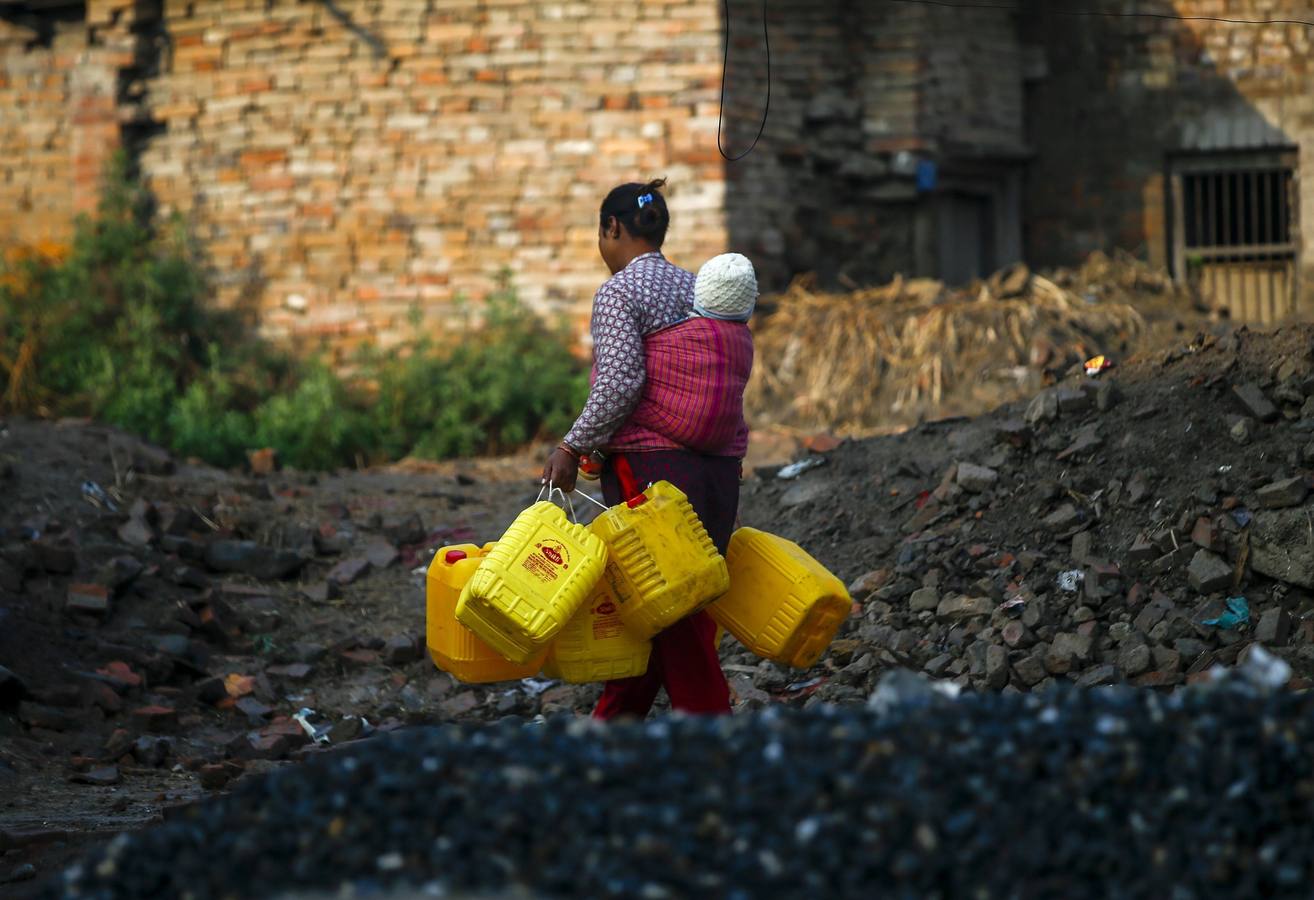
(1234, 231)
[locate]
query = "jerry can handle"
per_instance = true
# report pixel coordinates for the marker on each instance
(588, 497)
(551, 489)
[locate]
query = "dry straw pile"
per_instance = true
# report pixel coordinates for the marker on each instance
(916, 349)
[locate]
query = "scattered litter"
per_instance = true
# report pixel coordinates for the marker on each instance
(535, 686)
(1241, 516)
(1264, 669)
(1223, 470)
(901, 687)
(1238, 613)
(1016, 601)
(1070, 581)
(238, 685)
(793, 470)
(807, 686)
(96, 496)
(1098, 364)
(318, 734)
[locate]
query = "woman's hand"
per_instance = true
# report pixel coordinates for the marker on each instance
(561, 470)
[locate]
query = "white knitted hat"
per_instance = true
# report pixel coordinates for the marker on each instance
(726, 288)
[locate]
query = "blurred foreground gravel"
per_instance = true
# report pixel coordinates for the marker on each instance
(1069, 793)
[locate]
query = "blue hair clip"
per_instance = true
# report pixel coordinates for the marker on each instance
(644, 200)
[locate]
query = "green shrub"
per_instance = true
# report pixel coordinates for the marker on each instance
(488, 389)
(317, 425)
(209, 421)
(116, 326)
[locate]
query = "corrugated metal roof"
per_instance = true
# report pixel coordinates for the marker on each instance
(1238, 128)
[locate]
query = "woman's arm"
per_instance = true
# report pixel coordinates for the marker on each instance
(620, 371)
(618, 382)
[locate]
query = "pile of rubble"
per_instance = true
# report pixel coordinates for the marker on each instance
(166, 628)
(1073, 794)
(1140, 527)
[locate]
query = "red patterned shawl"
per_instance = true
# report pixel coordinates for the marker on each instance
(693, 395)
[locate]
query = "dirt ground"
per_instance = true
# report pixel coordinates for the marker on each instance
(179, 625)
(161, 671)
(44, 817)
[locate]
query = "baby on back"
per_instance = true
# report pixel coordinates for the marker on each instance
(693, 396)
(726, 289)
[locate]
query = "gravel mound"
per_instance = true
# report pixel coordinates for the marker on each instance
(1139, 527)
(1069, 793)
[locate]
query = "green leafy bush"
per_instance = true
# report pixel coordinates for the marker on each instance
(209, 421)
(116, 326)
(113, 324)
(487, 388)
(317, 425)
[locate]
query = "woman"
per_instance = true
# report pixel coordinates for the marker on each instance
(666, 405)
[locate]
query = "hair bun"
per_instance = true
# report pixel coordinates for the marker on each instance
(639, 208)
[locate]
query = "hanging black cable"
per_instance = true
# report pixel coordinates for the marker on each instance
(766, 39)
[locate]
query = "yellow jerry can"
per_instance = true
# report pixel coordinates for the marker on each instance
(596, 645)
(453, 647)
(531, 583)
(782, 604)
(661, 563)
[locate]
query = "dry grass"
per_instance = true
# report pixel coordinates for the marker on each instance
(914, 349)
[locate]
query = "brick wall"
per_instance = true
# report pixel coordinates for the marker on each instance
(342, 172)
(61, 78)
(854, 86)
(340, 169)
(343, 163)
(1120, 95)
(972, 99)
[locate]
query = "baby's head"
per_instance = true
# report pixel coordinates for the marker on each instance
(726, 288)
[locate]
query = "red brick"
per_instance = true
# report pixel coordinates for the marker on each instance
(262, 158)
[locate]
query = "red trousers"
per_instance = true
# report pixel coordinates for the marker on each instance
(685, 662)
(684, 658)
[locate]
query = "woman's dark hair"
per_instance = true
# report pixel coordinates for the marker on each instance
(640, 208)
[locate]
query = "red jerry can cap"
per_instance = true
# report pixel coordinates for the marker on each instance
(636, 501)
(455, 556)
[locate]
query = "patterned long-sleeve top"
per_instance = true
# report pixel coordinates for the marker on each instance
(646, 296)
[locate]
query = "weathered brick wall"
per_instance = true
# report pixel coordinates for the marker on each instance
(854, 86)
(1119, 95)
(344, 163)
(60, 82)
(790, 202)
(341, 173)
(972, 98)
